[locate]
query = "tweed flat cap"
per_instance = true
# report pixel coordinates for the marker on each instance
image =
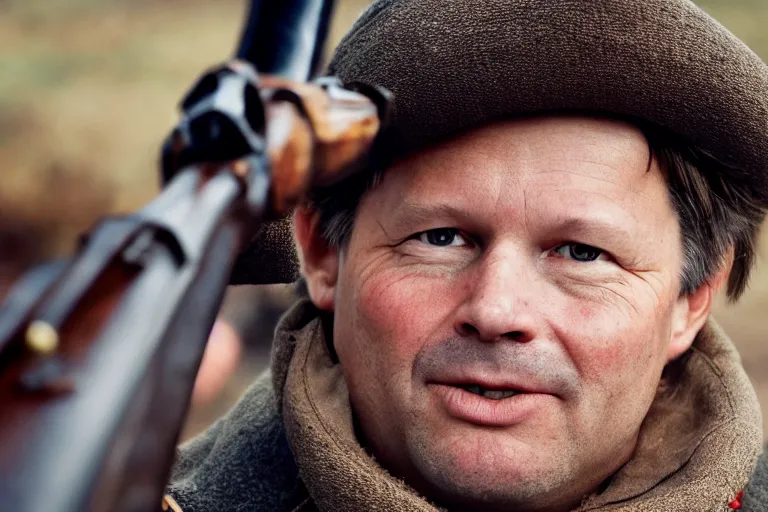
(455, 64)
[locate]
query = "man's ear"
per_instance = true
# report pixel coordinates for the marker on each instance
(691, 312)
(319, 262)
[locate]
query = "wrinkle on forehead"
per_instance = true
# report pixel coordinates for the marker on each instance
(608, 149)
(596, 156)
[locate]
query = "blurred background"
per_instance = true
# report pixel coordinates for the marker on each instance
(89, 89)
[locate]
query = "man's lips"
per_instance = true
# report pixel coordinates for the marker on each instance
(490, 383)
(488, 402)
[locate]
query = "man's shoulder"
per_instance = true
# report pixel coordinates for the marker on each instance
(756, 493)
(243, 462)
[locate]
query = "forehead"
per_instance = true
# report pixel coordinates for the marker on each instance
(547, 163)
(601, 145)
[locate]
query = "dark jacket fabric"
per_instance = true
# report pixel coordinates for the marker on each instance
(243, 462)
(289, 444)
(756, 494)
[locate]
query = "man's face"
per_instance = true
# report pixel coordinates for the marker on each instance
(504, 310)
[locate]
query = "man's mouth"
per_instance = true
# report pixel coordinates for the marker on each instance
(500, 404)
(493, 394)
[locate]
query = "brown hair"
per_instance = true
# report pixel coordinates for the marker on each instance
(718, 216)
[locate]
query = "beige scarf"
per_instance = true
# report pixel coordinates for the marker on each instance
(697, 449)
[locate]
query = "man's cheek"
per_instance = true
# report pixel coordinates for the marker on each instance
(399, 308)
(604, 345)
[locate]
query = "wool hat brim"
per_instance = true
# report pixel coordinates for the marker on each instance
(452, 65)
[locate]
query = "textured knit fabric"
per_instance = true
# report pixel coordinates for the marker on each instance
(241, 463)
(455, 64)
(269, 258)
(756, 494)
(291, 445)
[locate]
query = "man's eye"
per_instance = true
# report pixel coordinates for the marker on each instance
(579, 252)
(442, 237)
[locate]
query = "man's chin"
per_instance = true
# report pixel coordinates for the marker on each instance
(485, 469)
(484, 490)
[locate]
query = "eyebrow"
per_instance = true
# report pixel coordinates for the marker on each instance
(589, 227)
(609, 232)
(408, 213)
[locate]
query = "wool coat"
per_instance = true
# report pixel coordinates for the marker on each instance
(289, 444)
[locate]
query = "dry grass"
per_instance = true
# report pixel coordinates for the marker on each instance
(89, 89)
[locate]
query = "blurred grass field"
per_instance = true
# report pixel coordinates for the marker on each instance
(89, 88)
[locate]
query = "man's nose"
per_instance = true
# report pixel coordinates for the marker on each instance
(499, 304)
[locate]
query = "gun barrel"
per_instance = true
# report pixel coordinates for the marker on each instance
(286, 37)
